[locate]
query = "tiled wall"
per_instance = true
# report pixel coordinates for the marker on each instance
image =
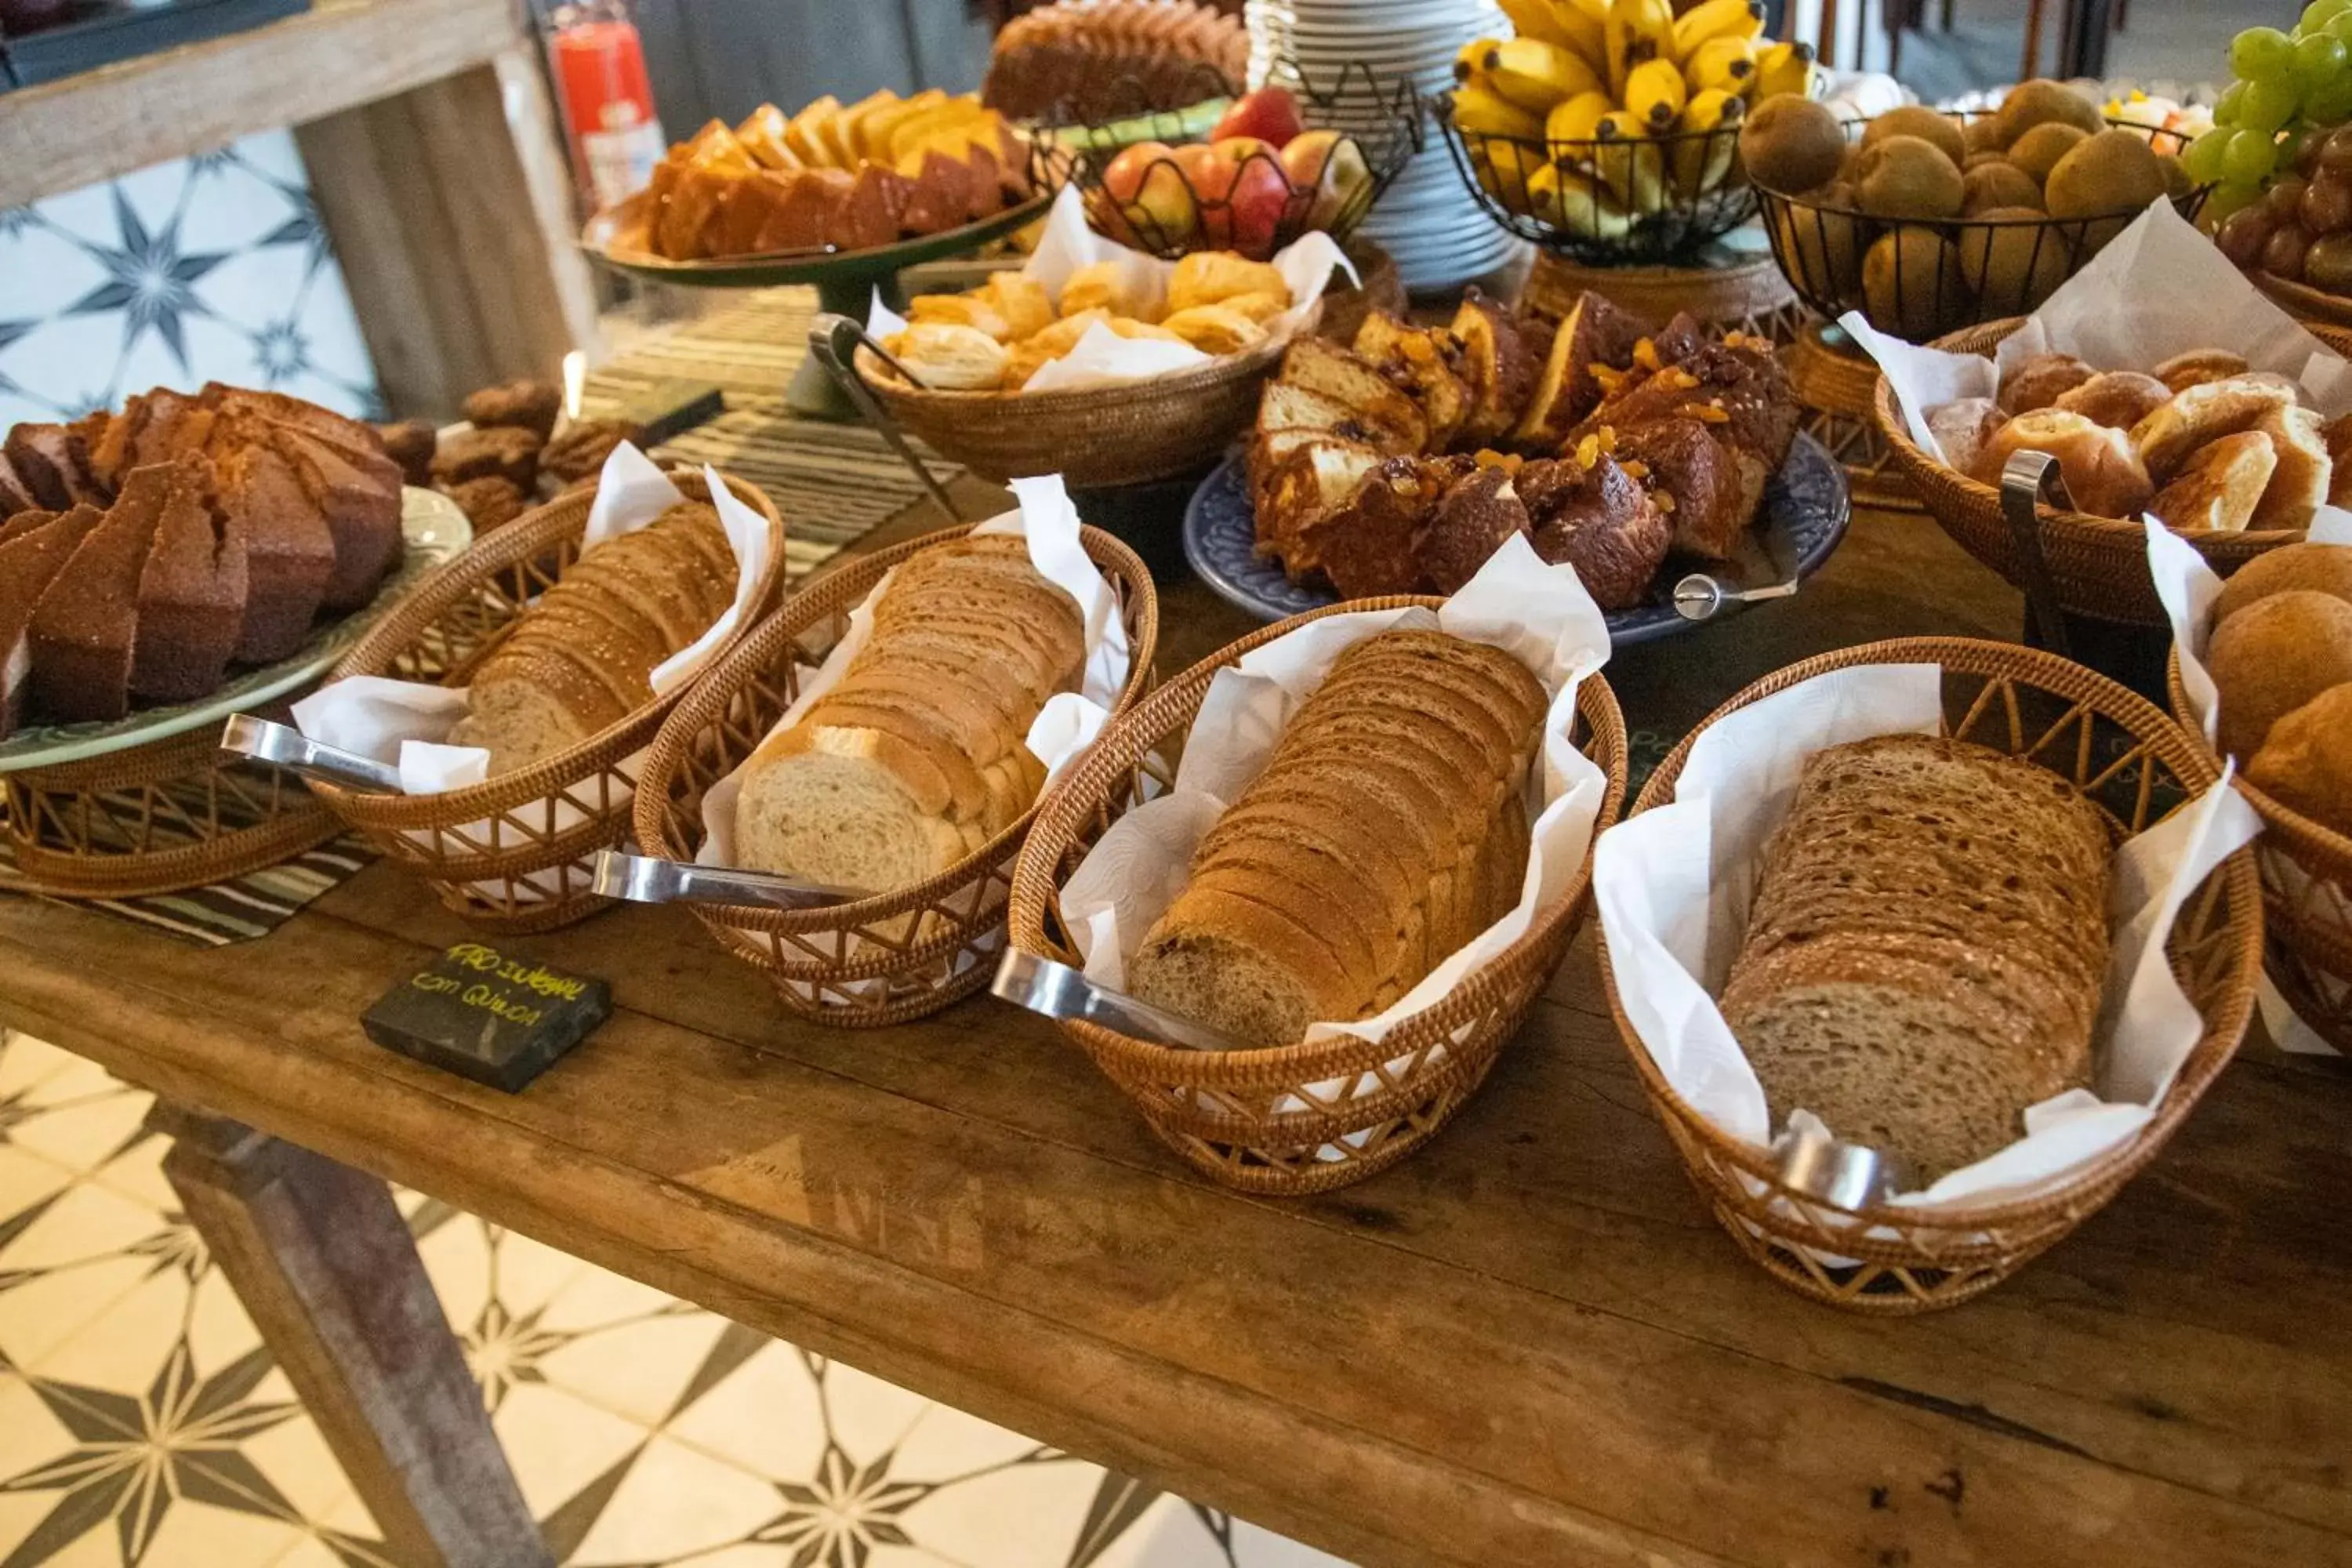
(212, 267)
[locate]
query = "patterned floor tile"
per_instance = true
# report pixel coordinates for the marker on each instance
(143, 1425)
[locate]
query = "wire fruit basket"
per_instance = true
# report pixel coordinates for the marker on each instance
(1607, 201)
(1921, 277)
(1170, 193)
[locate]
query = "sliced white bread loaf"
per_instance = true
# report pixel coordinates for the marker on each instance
(1383, 833)
(917, 757)
(1924, 957)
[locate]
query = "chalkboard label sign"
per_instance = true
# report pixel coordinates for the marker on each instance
(488, 1016)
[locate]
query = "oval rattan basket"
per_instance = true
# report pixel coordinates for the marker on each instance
(156, 818)
(1363, 1106)
(1094, 437)
(2138, 765)
(2307, 870)
(2018, 261)
(880, 960)
(2098, 565)
(515, 852)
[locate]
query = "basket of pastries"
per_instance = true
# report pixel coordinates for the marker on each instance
(1612, 444)
(1921, 949)
(2261, 670)
(952, 674)
(516, 690)
(830, 179)
(161, 565)
(1611, 133)
(514, 448)
(2144, 410)
(1363, 871)
(1094, 360)
(1287, 159)
(1928, 222)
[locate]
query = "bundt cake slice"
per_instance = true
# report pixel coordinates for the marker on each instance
(87, 620)
(290, 553)
(191, 593)
(362, 514)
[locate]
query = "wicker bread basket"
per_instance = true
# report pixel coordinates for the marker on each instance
(897, 956)
(2098, 565)
(2306, 871)
(1094, 437)
(514, 853)
(1218, 1108)
(155, 819)
(2139, 766)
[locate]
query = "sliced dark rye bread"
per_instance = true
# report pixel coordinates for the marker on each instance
(191, 593)
(1377, 768)
(290, 553)
(87, 620)
(1241, 967)
(1317, 887)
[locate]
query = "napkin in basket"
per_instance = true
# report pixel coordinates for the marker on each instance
(1673, 884)
(1101, 357)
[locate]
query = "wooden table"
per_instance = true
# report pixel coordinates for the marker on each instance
(1529, 1344)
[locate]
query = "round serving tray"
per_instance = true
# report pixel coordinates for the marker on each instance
(818, 266)
(436, 530)
(1804, 515)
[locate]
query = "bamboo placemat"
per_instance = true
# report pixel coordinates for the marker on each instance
(834, 484)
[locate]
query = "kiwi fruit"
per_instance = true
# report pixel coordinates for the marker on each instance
(2037, 150)
(1824, 249)
(1982, 134)
(1998, 184)
(1912, 284)
(2176, 183)
(1791, 144)
(2044, 102)
(1979, 160)
(1903, 176)
(2114, 171)
(2012, 266)
(1940, 131)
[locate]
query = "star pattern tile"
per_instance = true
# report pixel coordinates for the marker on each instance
(143, 1423)
(130, 264)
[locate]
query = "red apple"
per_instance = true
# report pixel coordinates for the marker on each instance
(1149, 195)
(1270, 114)
(1332, 166)
(1243, 191)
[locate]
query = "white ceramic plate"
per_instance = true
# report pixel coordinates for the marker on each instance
(436, 530)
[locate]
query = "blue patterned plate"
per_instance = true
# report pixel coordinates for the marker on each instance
(1804, 515)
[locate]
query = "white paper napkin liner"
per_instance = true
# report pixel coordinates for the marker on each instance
(1048, 520)
(1540, 613)
(1067, 244)
(2158, 290)
(405, 723)
(1666, 915)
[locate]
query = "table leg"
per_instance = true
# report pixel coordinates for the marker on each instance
(320, 1254)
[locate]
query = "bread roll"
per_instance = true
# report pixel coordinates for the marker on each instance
(1109, 286)
(2306, 762)
(2217, 489)
(2184, 370)
(1385, 831)
(2299, 485)
(1215, 329)
(2323, 568)
(2102, 475)
(2273, 657)
(917, 757)
(947, 356)
(2203, 413)
(1208, 276)
(1924, 956)
(2039, 381)
(2120, 398)
(1963, 427)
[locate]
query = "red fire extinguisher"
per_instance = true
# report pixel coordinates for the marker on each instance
(599, 65)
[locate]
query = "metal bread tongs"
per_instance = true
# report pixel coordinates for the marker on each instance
(1057, 991)
(649, 880)
(247, 736)
(1701, 595)
(833, 341)
(1850, 1176)
(2026, 480)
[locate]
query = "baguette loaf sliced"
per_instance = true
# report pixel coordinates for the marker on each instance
(1384, 830)
(1926, 950)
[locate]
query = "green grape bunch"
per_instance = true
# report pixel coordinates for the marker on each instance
(2279, 156)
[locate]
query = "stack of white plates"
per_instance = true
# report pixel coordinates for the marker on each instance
(1427, 219)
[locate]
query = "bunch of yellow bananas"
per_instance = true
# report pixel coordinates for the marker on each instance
(1597, 82)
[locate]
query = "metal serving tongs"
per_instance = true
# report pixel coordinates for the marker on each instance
(1057, 991)
(2027, 478)
(834, 340)
(649, 880)
(1700, 596)
(1850, 1176)
(247, 736)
